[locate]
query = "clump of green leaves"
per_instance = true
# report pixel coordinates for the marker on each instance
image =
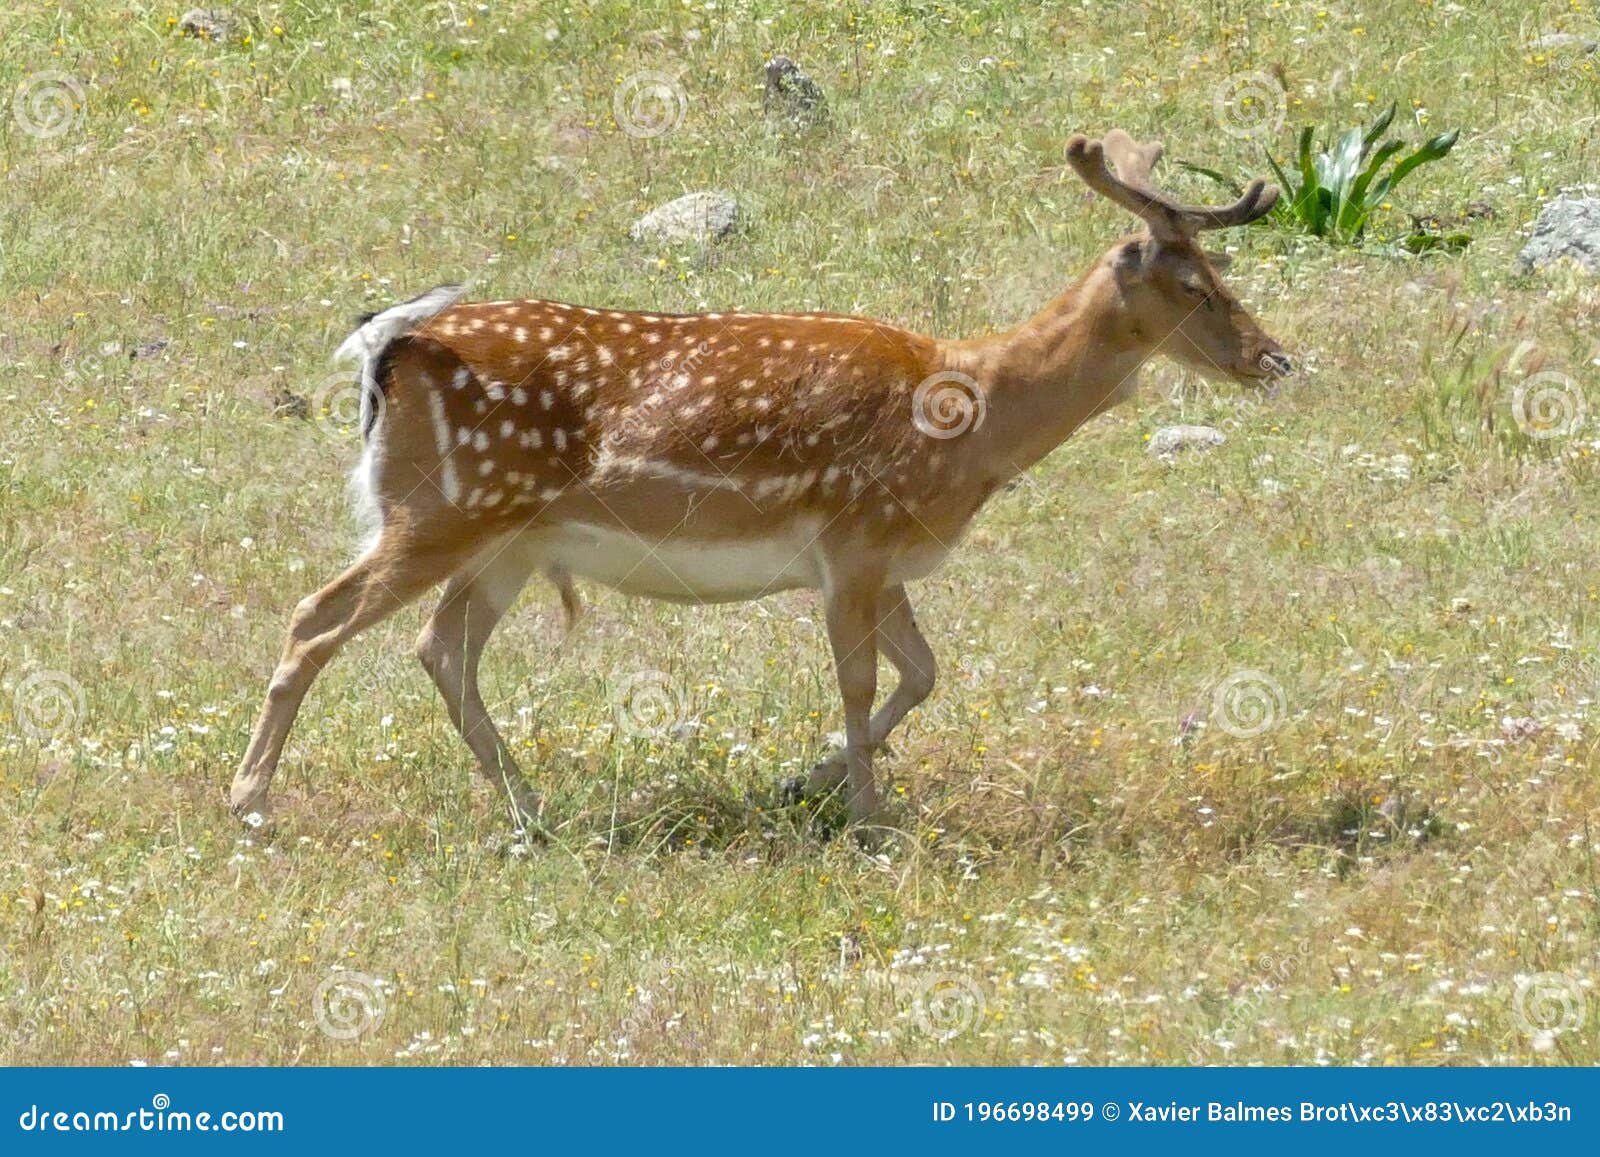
(1337, 189)
(1333, 192)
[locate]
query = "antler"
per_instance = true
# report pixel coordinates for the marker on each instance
(1130, 187)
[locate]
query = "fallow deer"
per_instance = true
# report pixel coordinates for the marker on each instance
(724, 456)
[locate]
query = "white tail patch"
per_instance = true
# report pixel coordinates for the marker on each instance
(367, 344)
(374, 336)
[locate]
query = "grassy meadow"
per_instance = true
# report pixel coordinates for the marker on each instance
(1282, 753)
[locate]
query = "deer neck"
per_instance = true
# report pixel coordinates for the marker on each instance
(1045, 378)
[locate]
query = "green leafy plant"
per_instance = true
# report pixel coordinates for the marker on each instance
(1333, 192)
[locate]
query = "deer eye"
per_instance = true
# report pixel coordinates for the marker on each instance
(1210, 303)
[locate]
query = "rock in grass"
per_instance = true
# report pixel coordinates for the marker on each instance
(697, 217)
(793, 95)
(216, 24)
(1558, 41)
(1568, 228)
(1171, 440)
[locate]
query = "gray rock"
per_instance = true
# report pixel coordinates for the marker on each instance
(1170, 440)
(697, 217)
(217, 24)
(1567, 228)
(793, 95)
(1553, 41)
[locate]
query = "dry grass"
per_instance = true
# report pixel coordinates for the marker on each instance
(1092, 869)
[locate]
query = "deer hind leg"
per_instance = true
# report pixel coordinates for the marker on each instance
(376, 586)
(450, 647)
(571, 604)
(901, 642)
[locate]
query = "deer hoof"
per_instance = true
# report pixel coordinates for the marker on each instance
(526, 807)
(868, 838)
(245, 799)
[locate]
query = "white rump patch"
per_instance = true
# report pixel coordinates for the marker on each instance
(364, 495)
(367, 345)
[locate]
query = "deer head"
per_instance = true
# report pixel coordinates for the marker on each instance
(1172, 295)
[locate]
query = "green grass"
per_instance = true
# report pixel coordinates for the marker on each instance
(1082, 877)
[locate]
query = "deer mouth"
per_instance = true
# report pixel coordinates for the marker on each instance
(1274, 364)
(1267, 369)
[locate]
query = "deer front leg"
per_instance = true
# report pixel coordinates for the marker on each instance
(371, 590)
(450, 647)
(902, 643)
(852, 635)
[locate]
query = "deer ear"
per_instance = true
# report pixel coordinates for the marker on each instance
(1219, 261)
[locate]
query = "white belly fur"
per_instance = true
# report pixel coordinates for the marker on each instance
(705, 572)
(682, 570)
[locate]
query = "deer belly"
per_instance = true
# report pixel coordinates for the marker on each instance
(685, 570)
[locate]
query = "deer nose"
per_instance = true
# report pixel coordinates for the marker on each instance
(1277, 363)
